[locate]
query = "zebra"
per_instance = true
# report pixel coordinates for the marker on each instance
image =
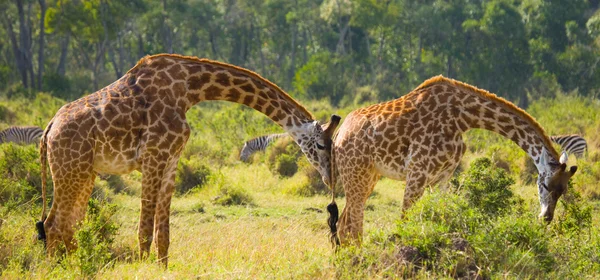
(258, 144)
(572, 144)
(21, 135)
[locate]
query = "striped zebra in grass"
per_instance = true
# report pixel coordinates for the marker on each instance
(258, 144)
(572, 144)
(21, 135)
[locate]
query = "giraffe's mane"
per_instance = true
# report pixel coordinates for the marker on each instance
(252, 74)
(499, 100)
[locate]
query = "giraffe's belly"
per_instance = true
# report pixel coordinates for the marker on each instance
(115, 168)
(114, 162)
(391, 171)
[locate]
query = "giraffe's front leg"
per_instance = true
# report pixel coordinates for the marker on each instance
(161, 224)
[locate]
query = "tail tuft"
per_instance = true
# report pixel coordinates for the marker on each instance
(332, 221)
(41, 232)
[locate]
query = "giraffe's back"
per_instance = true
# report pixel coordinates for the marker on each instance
(401, 131)
(104, 128)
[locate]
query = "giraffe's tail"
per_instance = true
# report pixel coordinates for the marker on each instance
(332, 221)
(332, 208)
(43, 162)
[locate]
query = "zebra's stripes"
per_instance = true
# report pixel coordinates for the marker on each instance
(258, 144)
(21, 135)
(572, 144)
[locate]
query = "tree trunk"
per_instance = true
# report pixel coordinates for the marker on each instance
(304, 45)
(260, 53)
(16, 50)
(23, 45)
(449, 70)
(166, 29)
(340, 45)
(371, 62)
(121, 52)
(292, 69)
(113, 61)
(41, 47)
(380, 50)
(27, 46)
(141, 51)
(213, 44)
(62, 61)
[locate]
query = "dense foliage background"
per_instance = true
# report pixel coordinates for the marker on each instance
(340, 50)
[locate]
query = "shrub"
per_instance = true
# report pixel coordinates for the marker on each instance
(6, 114)
(486, 187)
(514, 245)
(315, 181)
(577, 215)
(588, 176)
(283, 157)
(191, 173)
(228, 194)
(95, 237)
(19, 173)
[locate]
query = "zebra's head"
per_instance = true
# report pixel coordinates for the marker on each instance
(246, 152)
(552, 182)
(315, 142)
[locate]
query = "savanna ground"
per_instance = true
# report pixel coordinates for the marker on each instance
(262, 220)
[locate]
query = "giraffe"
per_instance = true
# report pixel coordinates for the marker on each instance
(139, 123)
(417, 138)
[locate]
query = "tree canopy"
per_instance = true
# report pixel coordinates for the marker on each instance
(343, 51)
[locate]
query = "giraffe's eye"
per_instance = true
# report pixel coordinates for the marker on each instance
(319, 146)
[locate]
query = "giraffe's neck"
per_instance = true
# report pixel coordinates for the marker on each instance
(192, 80)
(470, 107)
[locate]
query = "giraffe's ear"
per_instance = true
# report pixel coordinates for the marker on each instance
(335, 121)
(564, 158)
(573, 170)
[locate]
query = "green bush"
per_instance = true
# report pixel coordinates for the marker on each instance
(95, 237)
(191, 173)
(20, 179)
(283, 157)
(474, 232)
(59, 86)
(229, 195)
(514, 245)
(486, 187)
(577, 215)
(6, 114)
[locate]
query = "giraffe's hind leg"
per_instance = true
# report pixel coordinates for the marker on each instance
(151, 179)
(423, 172)
(358, 185)
(161, 223)
(72, 191)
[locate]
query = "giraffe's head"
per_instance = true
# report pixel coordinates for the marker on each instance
(315, 142)
(552, 182)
